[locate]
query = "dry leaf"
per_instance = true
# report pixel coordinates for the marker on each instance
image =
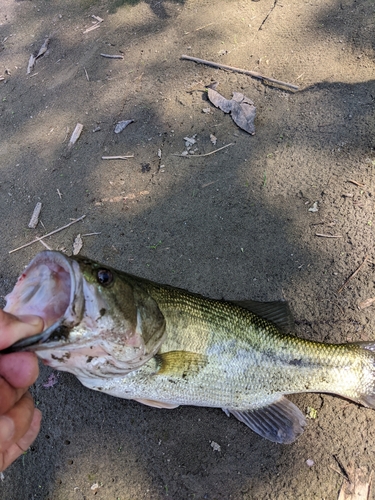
(241, 108)
(120, 126)
(366, 303)
(77, 245)
(32, 60)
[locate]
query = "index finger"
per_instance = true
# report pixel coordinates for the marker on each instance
(13, 328)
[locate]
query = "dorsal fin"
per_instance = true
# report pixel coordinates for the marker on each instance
(278, 312)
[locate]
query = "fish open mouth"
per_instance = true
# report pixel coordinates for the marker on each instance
(50, 287)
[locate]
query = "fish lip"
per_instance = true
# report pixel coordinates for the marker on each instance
(73, 314)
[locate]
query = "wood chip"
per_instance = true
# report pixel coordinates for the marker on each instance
(35, 217)
(77, 244)
(112, 56)
(358, 488)
(75, 135)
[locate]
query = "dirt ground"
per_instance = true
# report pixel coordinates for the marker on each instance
(235, 224)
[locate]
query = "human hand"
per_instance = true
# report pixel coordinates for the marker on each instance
(19, 420)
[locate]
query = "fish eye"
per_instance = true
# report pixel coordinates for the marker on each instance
(104, 277)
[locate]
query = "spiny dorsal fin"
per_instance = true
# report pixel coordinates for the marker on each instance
(280, 422)
(180, 363)
(278, 312)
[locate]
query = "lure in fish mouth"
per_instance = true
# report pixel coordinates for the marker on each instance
(85, 330)
(164, 347)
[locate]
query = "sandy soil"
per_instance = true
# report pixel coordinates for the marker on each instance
(235, 224)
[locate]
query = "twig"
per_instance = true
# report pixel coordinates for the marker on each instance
(267, 16)
(206, 154)
(96, 25)
(198, 29)
(254, 74)
(208, 184)
(90, 234)
(353, 275)
(49, 234)
(328, 235)
(112, 56)
(87, 76)
(338, 472)
(116, 157)
(44, 244)
(356, 183)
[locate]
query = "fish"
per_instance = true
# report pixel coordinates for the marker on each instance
(165, 347)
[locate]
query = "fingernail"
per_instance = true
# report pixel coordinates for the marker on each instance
(6, 430)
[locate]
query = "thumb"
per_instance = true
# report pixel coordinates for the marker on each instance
(14, 328)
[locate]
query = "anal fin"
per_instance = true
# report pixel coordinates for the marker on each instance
(280, 422)
(156, 404)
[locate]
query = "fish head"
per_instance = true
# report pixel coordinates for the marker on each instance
(98, 322)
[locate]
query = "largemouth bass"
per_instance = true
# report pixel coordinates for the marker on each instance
(165, 347)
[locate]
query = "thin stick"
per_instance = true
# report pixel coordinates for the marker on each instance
(114, 56)
(44, 244)
(116, 157)
(198, 29)
(206, 154)
(328, 235)
(90, 234)
(356, 183)
(338, 472)
(87, 76)
(353, 275)
(254, 74)
(49, 234)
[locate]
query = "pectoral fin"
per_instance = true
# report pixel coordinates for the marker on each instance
(280, 422)
(180, 363)
(156, 404)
